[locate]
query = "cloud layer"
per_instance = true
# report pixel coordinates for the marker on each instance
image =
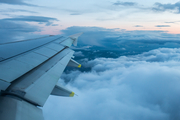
(17, 28)
(125, 3)
(98, 35)
(15, 2)
(167, 7)
(39, 19)
(162, 26)
(10, 30)
(144, 86)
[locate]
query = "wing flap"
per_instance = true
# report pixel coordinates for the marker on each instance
(13, 69)
(41, 89)
(4, 85)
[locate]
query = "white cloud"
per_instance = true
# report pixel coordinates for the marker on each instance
(144, 86)
(78, 54)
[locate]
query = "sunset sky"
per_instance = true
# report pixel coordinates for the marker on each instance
(54, 15)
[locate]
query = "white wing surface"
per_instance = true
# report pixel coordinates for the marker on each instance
(29, 72)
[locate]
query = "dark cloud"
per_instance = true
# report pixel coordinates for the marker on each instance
(10, 30)
(91, 35)
(144, 86)
(166, 7)
(125, 3)
(96, 35)
(79, 53)
(48, 23)
(75, 13)
(16, 10)
(40, 19)
(15, 2)
(17, 29)
(54, 24)
(162, 26)
(172, 22)
(138, 26)
(169, 22)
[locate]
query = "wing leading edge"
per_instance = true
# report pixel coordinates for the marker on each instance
(29, 75)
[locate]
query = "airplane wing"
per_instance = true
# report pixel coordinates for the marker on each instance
(29, 73)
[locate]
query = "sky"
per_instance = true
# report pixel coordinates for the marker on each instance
(129, 53)
(50, 17)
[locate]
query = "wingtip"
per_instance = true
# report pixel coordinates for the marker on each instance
(75, 36)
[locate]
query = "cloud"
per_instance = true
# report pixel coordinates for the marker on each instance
(138, 26)
(54, 24)
(79, 53)
(157, 7)
(16, 10)
(75, 13)
(162, 26)
(167, 7)
(144, 86)
(91, 35)
(172, 22)
(10, 30)
(101, 36)
(15, 2)
(40, 19)
(17, 28)
(124, 3)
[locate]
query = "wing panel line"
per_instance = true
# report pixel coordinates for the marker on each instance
(1, 60)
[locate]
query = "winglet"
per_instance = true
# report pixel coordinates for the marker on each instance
(75, 38)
